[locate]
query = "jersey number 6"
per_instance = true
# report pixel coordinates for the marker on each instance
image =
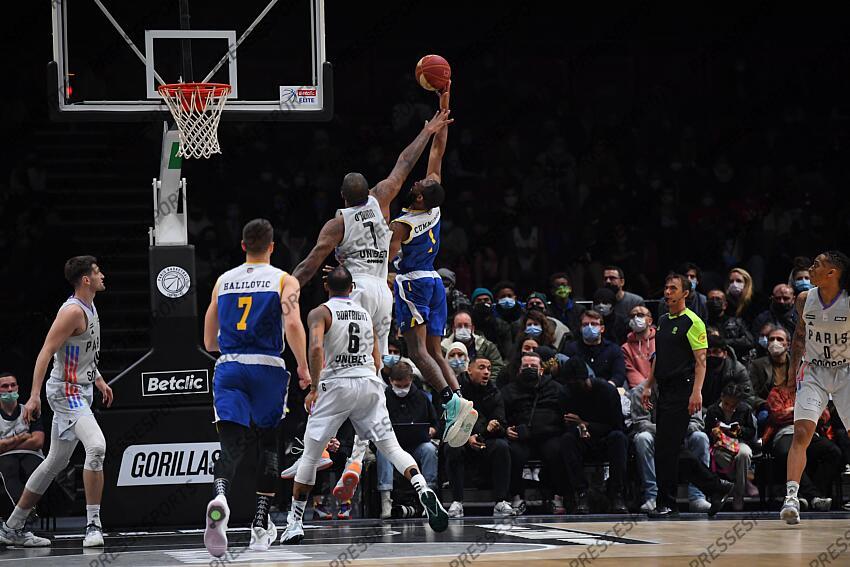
(353, 338)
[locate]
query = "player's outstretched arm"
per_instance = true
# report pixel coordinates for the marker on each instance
(438, 144)
(798, 341)
(211, 322)
(388, 189)
(295, 335)
(329, 237)
(69, 321)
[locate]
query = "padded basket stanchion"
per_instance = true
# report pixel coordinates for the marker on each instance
(196, 108)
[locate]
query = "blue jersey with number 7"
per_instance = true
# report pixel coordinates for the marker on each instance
(250, 316)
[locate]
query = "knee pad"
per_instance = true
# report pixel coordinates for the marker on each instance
(94, 456)
(306, 473)
(400, 458)
(48, 470)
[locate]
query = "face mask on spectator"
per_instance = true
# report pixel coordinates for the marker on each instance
(613, 287)
(638, 323)
(534, 331)
(693, 284)
(590, 333)
(604, 309)
(400, 392)
(776, 348)
(713, 362)
(714, 307)
(781, 308)
(529, 375)
(763, 341)
(482, 310)
(9, 397)
(507, 303)
(735, 289)
(458, 364)
(390, 360)
(563, 291)
(463, 334)
(802, 284)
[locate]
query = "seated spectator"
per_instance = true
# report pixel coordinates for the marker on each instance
(563, 308)
(539, 302)
(800, 279)
(721, 368)
(495, 329)
(456, 300)
(463, 331)
(616, 327)
(508, 306)
(642, 433)
(614, 279)
(594, 428)
(536, 325)
(762, 335)
(740, 294)
(20, 443)
(732, 431)
(823, 457)
(781, 312)
(408, 404)
(639, 348)
(773, 370)
(534, 417)
(512, 369)
(733, 329)
(393, 356)
(487, 445)
(696, 301)
(600, 354)
(458, 358)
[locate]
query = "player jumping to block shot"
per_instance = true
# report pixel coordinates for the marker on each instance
(344, 385)
(360, 236)
(253, 307)
(420, 298)
(820, 354)
(74, 343)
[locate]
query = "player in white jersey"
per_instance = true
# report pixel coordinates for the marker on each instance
(73, 342)
(344, 360)
(820, 354)
(360, 236)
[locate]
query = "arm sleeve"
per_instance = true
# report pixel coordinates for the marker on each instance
(696, 334)
(36, 425)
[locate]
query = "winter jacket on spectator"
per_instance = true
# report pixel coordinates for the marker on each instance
(599, 406)
(761, 376)
(606, 359)
(729, 370)
(786, 320)
(742, 414)
(535, 405)
(479, 346)
(637, 356)
(415, 407)
(494, 329)
(488, 403)
(734, 331)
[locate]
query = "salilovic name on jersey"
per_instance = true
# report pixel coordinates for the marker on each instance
(241, 286)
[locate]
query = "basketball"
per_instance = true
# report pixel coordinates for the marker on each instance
(433, 73)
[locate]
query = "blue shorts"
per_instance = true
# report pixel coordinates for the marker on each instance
(250, 393)
(421, 301)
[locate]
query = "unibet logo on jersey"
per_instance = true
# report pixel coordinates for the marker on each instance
(168, 463)
(175, 382)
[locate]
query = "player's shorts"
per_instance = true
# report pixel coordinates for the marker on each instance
(814, 386)
(421, 301)
(362, 400)
(69, 403)
(373, 295)
(252, 390)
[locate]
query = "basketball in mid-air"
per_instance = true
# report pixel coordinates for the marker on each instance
(433, 73)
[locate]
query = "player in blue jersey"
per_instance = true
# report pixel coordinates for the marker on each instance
(253, 307)
(420, 298)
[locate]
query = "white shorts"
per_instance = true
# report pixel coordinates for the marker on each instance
(69, 403)
(360, 399)
(814, 386)
(375, 297)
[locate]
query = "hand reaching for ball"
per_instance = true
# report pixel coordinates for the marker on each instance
(441, 120)
(444, 96)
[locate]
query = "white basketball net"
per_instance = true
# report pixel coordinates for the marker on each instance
(196, 108)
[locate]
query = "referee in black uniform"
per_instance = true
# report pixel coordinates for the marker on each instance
(678, 370)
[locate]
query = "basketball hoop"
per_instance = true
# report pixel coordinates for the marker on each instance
(196, 108)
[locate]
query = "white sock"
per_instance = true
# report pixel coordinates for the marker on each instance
(791, 488)
(18, 518)
(298, 507)
(93, 514)
(418, 482)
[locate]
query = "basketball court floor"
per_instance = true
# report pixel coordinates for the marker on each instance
(751, 540)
